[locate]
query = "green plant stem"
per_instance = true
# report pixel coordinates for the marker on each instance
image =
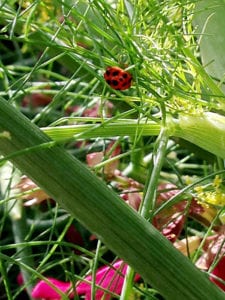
(128, 284)
(149, 197)
(14, 208)
(94, 270)
(135, 168)
(5, 279)
(88, 199)
(154, 173)
(206, 130)
(63, 133)
(20, 230)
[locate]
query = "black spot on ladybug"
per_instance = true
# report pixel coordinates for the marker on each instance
(115, 73)
(114, 82)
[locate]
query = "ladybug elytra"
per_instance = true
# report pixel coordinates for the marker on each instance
(117, 78)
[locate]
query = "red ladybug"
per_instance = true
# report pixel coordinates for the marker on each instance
(117, 78)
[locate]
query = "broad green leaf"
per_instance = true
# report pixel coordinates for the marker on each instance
(210, 23)
(88, 199)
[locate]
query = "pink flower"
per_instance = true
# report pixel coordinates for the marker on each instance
(96, 110)
(94, 158)
(45, 291)
(74, 237)
(108, 280)
(214, 249)
(219, 271)
(133, 199)
(37, 99)
(174, 228)
(97, 157)
(171, 221)
(35, 195)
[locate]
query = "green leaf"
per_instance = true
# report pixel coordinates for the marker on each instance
(88, 199)
(210, 23)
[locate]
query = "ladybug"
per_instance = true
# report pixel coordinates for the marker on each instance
(117, 78)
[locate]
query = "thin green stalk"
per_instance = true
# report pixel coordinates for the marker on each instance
(105, 129)
(14, 261)
(135, 168)
(154, 173)
(5, 279)
(128, 284)
(89, 200)
(149, 198)
(20, 228)
(207, 79)
(94, 269)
